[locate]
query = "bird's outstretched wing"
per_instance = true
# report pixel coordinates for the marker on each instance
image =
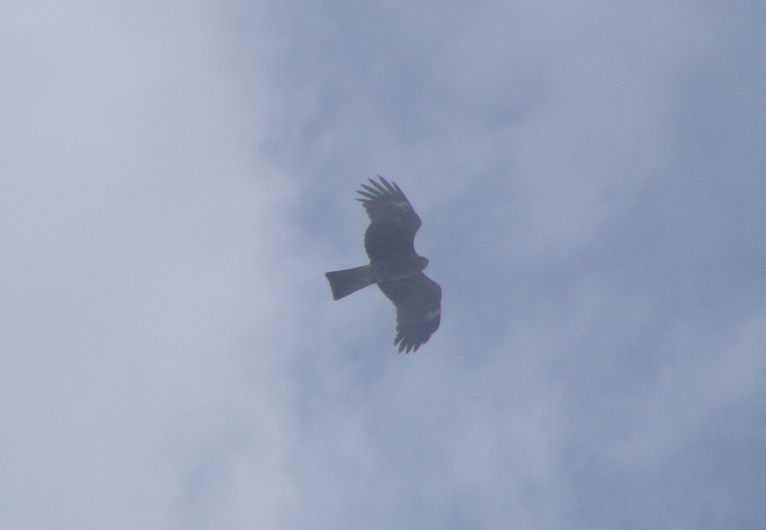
(393, 221)
(418, 309)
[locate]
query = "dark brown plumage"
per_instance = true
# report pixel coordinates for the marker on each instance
(394, 265)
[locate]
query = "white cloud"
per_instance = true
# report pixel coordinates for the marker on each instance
(178, 177)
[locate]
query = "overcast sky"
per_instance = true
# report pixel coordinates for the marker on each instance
(176, 177)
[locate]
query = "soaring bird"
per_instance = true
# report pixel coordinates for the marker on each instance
(394, 265)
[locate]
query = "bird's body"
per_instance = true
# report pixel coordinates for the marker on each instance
(394, 265)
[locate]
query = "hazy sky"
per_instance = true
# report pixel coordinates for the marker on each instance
(176, 177)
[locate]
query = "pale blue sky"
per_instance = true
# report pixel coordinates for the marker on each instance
(177, 177)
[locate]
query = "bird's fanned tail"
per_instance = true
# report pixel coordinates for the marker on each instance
(348, 281)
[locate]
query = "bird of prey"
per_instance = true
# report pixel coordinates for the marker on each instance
(394, 265)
